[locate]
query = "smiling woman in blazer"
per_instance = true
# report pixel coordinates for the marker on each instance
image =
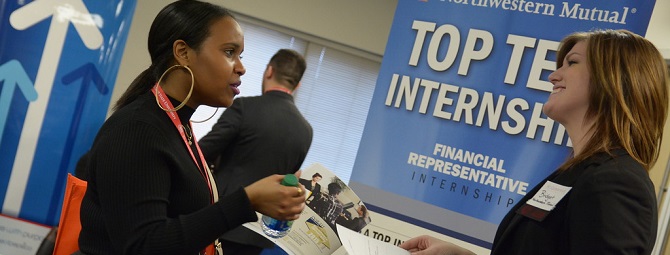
(611, 94)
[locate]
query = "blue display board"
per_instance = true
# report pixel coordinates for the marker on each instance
(58, 64)
(455, 134)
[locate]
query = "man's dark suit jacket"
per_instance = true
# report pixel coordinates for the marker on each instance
(611, 209)
(255, 138)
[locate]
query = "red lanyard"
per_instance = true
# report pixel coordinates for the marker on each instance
(202, 167)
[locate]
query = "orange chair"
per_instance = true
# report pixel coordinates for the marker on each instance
(67, 238)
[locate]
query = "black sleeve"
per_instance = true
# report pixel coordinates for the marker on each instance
(612, 212)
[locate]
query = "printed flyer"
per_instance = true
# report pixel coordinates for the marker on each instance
(330, 202)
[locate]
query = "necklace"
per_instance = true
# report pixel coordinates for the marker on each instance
(189, 135)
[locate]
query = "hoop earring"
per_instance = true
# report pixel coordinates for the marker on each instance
(201, 121)
(190, 91)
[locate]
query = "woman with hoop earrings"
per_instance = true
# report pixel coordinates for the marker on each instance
(149, 188)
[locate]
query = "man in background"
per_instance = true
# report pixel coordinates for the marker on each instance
(257, 137)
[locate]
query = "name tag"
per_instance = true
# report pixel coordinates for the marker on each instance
(545, 200)
(548, 196)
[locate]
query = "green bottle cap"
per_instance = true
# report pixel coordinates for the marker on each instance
(290, 180)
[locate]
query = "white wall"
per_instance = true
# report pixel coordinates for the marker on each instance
(360, 24)
(658, 31)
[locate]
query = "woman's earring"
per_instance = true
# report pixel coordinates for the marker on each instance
(190, 91)
(201, 121)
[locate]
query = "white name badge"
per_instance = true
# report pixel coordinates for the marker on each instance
(548, 196)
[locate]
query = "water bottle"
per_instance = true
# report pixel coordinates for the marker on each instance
(278, 228)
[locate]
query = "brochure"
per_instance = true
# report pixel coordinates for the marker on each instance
(330, 203)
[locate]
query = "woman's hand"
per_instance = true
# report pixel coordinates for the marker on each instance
(428, 245)
(270, 198)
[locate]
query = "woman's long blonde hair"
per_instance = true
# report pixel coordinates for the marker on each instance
(628, 94)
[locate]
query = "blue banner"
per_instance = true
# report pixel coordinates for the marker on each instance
(58, 64)
(455, 134)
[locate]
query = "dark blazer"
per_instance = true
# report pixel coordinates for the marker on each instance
(611, 209)
(255, 138)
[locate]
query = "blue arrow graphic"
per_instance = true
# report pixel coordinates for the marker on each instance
(14, 76)
(62, 13)
(89, 76)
